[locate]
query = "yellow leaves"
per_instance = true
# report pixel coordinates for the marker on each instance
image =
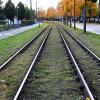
(51, 12)
(60, 9)
(77, 7)
(41, 13)
(88, 98)
(66, 7)
(92, 9)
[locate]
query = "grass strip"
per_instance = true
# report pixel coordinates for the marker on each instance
(91, 40)
(11, 44)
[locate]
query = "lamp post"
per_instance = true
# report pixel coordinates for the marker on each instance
(17, 16)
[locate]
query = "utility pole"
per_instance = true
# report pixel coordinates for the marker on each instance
(30, 9)
(36, 11)
(39, 16)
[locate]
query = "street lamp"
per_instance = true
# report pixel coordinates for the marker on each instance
(17, 16)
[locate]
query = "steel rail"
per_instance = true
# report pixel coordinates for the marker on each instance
(80, 75)
(83, 45)
(32, 65)
(22, 49)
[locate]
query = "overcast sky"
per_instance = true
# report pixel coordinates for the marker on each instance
(41, 3)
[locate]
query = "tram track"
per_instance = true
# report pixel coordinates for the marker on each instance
(13, 72)
(52, 76)
(32, 65)
(53, 67)
(87, 60)
(85, 87)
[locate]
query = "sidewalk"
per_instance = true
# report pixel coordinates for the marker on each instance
(11, 32)
(95, 28)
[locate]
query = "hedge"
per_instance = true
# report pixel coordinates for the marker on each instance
(27, 22)
(2, 22)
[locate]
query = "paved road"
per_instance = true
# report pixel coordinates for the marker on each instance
(11, 32)
(95, 28)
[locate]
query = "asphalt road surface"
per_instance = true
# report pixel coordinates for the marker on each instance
(95, 28)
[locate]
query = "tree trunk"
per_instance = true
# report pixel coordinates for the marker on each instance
(99, 11)
(13, 23)
(85, 17)
(10, 25)
(67, 20)
(90, 14)
(70, 15)
(64, 19)
(70, 21)
(74, 14)
(67, 16)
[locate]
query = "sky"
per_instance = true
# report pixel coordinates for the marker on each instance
(41, 3)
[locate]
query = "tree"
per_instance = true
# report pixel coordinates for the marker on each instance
(85, 5)
(41, 14)
(21, 11)
(60, 9)
(51, 13)
(27, 13)
(99, 11)
(91, 10)
(64, 6)
(9, 10)
(1, 11)
(1, 4)
(77, 8)
(33, 14)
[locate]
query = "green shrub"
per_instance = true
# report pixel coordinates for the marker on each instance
(27, 22)
(2, 22)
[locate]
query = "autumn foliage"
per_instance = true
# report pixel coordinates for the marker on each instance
(66, 8)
